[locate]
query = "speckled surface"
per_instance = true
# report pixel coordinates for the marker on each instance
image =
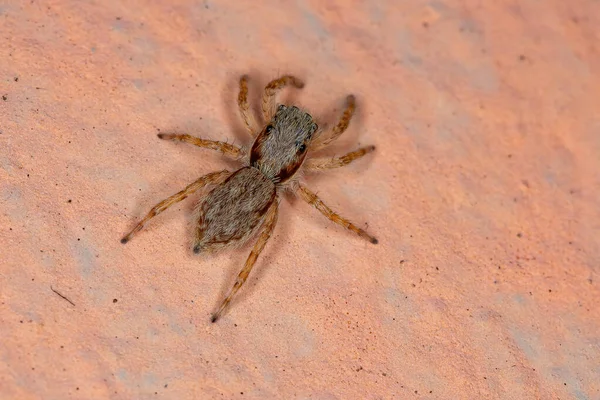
(483, 192)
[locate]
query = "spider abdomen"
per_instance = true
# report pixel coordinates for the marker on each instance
(232, 211)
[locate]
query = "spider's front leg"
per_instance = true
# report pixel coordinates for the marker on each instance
(323, 163)
(325, 139)
(227, 149)
(268, 101)
(245, 111)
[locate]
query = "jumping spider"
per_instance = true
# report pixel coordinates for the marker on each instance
(246, 201)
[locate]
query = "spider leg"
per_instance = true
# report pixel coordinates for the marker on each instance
(227, 149)
(268, 100)
(245, 111)
(325, 139)
(267, 230)
(319, 164)
(212, 178)
(312, 199)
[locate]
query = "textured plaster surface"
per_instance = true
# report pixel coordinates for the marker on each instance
(484, 192)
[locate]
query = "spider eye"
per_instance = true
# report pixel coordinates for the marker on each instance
(268, 129)
(302, 148)
(280, 107)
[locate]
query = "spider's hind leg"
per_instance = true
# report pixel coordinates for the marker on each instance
(267, 229)
(212, 178)
(314, 200)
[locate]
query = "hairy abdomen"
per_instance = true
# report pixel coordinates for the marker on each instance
(231, 212)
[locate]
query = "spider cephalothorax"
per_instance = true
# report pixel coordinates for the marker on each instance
(246, 201)
(281, 146)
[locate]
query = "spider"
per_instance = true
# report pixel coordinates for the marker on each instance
(245, 202)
